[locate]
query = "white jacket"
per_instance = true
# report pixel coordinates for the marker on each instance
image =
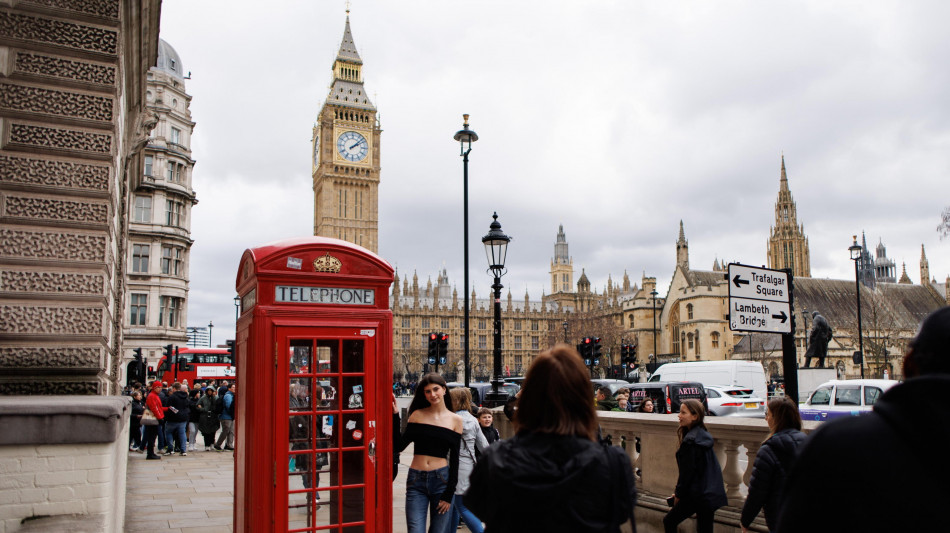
(472, 437)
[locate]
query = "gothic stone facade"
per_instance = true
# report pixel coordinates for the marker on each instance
(73, 120)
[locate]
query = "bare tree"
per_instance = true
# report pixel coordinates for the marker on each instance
(883, 342)
(944, 227)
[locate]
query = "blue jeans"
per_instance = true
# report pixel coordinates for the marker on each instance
(459, 510)
(423, 489)
(176, 431)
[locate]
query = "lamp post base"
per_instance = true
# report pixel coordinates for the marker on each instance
(496, 399)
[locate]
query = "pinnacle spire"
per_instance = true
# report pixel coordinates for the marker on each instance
(347, 46)
(783, 179)
(682, 237)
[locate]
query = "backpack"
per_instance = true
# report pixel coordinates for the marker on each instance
(218, 407)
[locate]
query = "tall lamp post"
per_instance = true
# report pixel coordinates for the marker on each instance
(210, 328)
(565, 331)
(496, 247)
(653, 293)
(465, 137)
(856, 252)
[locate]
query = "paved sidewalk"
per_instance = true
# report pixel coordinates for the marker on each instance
(195, 494)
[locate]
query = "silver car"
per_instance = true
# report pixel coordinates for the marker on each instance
(734, 401)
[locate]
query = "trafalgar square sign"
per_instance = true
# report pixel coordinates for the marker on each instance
(759, 299)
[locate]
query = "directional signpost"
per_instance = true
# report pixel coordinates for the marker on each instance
(760, 300)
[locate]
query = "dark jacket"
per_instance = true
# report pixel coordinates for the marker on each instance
(607, 405)
(179, 401)
(208, 422)
(887, 470)
(700, 476)
(540, 482)
(769, 471)
(138, 408)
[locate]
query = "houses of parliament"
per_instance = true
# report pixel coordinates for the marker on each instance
(686, 321)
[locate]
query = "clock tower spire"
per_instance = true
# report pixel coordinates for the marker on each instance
(346, 155)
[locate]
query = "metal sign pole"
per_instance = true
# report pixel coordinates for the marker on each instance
(789, 353)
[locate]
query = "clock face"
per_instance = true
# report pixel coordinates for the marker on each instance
(352, 146)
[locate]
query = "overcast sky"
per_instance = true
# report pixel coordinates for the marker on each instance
(616, 119)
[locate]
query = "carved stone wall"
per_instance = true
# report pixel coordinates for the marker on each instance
(72, 99)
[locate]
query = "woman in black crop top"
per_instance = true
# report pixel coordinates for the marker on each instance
(436, 432)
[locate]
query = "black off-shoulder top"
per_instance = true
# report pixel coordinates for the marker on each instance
(435, 441)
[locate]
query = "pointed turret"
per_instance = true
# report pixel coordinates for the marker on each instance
(924, 267)
(347, 46)
(905, 279)
(347, 89)
(682, 249)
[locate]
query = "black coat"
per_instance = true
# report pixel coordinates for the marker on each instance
(180, 401)
(769, 471)
(700, 476)
(883, 471)
(550, 483)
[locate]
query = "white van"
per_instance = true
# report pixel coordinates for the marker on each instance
(745, 374)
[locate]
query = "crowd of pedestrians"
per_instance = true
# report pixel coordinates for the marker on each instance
(168, 419)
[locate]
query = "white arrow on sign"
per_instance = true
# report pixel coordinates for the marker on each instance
(758, 283)
(746, 314)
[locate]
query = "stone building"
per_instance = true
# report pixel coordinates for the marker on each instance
(788, 245)
(74, 122)
(345, 163)
(160, 226)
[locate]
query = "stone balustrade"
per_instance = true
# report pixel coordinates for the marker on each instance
(655, 462)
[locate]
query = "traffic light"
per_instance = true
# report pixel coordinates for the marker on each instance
(442, 347)
(433, 348)
(169, 353)
(586, 349)
(624, 353)
(633, 355)
(595, 350)
(230, 344)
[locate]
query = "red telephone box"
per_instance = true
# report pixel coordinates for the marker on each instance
(314, 393)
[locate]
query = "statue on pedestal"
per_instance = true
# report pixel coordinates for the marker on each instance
(818, 340)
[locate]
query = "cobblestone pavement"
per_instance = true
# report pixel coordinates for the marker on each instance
(195, 493)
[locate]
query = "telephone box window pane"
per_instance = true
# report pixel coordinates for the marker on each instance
(353, 355)
(301, 356)
(353, 509)
(301, 427)
(352, 432)
(299, 513)
(329, 386)
(353, 392)
(301, 398)
(327, 360)
(327, 434)
(306, 511)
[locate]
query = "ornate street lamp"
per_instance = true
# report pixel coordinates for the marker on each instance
(210, 328)
(856, 253)
(496, 248)
(565, 324)
(465, 137)
(237, 310)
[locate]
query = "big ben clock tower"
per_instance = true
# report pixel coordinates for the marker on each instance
(346, 155)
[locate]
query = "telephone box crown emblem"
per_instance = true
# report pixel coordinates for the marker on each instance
(327, 263)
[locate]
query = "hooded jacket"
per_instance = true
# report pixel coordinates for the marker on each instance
(882, 471)
(178, 401)
(542, 482)
(700, 476)
(769, 471)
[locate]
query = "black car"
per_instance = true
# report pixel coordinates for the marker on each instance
(480, 390)
(666, 396)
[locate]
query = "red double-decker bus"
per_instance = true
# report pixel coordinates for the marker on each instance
(197, 364)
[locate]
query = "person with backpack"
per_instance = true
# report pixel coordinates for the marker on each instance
(553, 473)
(226, 417)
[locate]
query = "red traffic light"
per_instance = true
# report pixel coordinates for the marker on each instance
(444, 337)
(596, 340)
(587, 340)
(433, 336)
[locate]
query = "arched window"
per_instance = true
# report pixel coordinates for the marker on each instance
(714, 337)
(689, 311)
(689, 340)
(631, 320)
(675, 330)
